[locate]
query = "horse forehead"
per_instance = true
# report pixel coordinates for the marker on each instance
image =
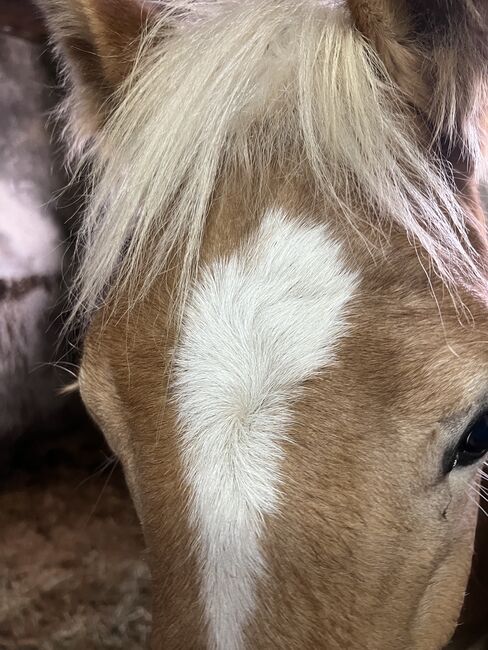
(269, 318)
(257, 326)
(294, 286)
(412, 353)
(283, 294)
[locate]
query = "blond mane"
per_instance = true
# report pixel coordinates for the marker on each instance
(296, 75)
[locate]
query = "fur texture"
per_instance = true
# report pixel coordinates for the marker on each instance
(257, 326)
(231, 112)
(263, 83)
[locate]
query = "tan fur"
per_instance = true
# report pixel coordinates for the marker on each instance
(372, 545)
(363, 433)
(98, 43)
(150, 459)
(386, 26)
(387, 583)
(266, 82)
(441, 70)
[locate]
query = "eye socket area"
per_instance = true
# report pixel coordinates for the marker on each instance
(472, 446)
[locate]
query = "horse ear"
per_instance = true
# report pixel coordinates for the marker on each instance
(384, 24)
(437, 52)
(98, 41)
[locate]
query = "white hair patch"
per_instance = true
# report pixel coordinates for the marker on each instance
(256, 327)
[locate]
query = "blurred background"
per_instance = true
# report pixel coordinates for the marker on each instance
(72, 570)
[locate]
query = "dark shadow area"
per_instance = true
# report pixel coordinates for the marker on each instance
(473, 624)
(71, 550)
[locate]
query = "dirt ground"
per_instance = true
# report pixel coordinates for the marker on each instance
(72, 570)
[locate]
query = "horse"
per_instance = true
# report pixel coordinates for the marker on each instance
(283, 295)
(32, 233)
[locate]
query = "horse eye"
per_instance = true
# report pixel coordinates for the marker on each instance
(473, 445)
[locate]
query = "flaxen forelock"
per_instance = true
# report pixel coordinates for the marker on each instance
(242, 83)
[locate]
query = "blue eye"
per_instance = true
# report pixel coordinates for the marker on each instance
(473, 445)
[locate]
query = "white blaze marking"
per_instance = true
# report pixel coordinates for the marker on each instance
(257, 326)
